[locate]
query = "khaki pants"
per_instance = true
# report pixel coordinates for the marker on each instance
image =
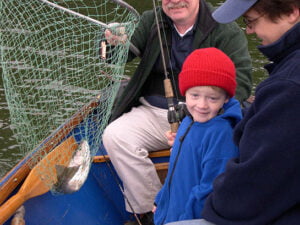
(128, 140)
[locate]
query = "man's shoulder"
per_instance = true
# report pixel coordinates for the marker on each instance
(233, 25)
(148, 13)
(148, 18)
(229, 27)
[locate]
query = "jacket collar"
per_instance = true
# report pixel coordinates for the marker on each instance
(288, 43)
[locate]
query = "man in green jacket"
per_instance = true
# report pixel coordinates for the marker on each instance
(140, 114)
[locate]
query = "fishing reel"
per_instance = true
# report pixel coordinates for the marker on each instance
(176, 113)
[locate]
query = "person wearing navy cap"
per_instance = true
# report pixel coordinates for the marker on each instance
(262, 185)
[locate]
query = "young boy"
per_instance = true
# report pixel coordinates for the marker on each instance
(203, 143)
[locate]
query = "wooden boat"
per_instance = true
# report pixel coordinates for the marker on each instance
(98, 201)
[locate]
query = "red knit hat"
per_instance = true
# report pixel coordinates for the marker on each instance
(208, 67)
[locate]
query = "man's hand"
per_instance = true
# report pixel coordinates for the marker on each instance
(115, 34)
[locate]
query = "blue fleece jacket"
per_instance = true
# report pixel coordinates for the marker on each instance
(262, 186)
(200, 152)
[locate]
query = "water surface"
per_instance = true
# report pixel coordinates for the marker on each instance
(10, 152)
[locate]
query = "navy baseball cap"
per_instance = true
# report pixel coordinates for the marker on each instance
(230, 10)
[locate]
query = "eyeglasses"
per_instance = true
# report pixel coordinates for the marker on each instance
(250, 23)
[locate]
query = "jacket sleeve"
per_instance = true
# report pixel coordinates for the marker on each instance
(232, 41)
(200, 192)
(141, 34)
(265, 181)
(220, 149)
(159, 194)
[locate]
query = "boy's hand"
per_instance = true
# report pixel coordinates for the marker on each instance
(154, 209)
(171, 137)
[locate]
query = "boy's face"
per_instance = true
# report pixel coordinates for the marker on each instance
(204, 102)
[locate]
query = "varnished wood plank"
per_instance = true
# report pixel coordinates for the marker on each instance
(14, 178)
(160, 153)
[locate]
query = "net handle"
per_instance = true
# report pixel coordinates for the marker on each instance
(132, 48)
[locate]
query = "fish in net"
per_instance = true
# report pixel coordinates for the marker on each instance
(57, 73)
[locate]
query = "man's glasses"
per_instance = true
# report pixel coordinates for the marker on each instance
(249, 23)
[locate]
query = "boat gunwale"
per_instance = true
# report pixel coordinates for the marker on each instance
(19, 172)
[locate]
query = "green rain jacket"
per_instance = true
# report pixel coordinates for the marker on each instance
(227, 37)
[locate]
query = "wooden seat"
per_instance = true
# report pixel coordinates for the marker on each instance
(161, 168)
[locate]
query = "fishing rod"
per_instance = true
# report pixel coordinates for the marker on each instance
(169, 94)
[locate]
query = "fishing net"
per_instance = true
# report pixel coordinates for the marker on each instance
(57, 69)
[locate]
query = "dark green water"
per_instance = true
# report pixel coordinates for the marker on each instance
(9, 149)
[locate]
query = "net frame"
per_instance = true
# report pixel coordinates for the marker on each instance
(52, 67)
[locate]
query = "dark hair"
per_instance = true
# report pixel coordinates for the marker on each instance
(274, 9)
